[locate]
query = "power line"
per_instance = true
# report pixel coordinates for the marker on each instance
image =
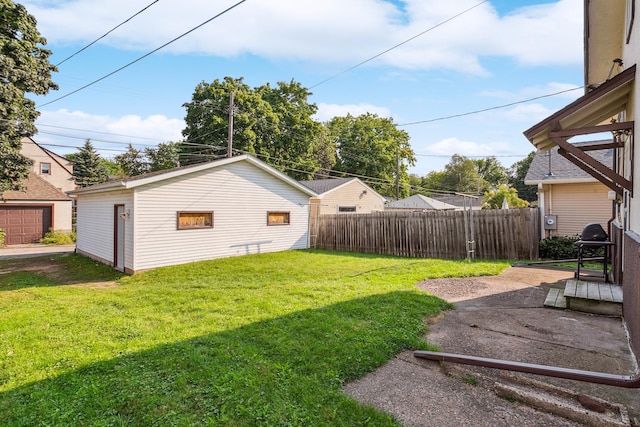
(491, 108)
(145, 55)
(396, 46)
(107, 33)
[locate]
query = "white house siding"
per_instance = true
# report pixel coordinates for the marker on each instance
(351, 194)
(577, 205)
(239, 194)
(95, 225)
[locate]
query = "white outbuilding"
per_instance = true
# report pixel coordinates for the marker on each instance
(233, 206)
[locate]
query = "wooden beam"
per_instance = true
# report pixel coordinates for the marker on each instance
(596, 169)
(568, 133)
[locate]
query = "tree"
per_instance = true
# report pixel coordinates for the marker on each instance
(373, 147)
(494, 199)
(24, 68)
(433, 181)
(461, 175)
(132, 162)
(88, 167)
(274, 123)
(164, 156)
(491, 172)
(517, 173)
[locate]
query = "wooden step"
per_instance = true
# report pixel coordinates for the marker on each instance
(587, 296)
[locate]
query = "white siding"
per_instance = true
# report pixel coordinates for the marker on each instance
(95, 225)
(577, 205)
(239, 194)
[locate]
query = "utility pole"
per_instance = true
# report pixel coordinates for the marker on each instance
(398, 172)
(230, 137)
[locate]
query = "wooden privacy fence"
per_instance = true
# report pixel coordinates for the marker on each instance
(499, 234)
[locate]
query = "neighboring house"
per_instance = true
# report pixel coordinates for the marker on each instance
(568, 197)
(232, 206)
(27, 215)
(610, 105)
(340, 196)
(461, 202)
(344, 195)
(418, 203)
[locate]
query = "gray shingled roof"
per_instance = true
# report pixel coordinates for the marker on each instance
(418, 201)
(458, 201)
(562, 168)
(323, 185)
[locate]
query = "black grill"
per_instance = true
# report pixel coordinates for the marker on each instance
(594, 237)
(593, 233)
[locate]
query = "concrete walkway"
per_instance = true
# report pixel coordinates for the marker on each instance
(503, 317)
(33, 250)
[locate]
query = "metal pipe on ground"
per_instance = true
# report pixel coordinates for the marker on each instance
(625, 381)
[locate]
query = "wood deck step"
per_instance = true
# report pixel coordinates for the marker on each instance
(555, 298)
(587, 296)
(593, 290)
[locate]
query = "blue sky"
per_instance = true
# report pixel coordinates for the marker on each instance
(496, 53)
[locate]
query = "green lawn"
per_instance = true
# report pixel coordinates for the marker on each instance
(256, 340)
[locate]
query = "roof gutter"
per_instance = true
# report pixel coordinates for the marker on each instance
(625, 381)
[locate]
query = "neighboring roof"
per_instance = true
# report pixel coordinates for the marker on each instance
(459, 201)
(36, 189)
(153, 177)
(324, 186)
(563, 170)
(592, 109)
(321, 186)
(418, 201)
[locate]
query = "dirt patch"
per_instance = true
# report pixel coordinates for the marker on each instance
(45, 265)
(53, 268)
(511, 279)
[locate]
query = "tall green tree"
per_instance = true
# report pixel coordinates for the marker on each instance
(274, 123)
(165, 156)
(491, 172)
(132, 162)
(373, 147)
(88, 167)
(24, 69)
(517, 173)
(461, 175)
(433, 182)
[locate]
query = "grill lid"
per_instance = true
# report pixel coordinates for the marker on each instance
(593, 232)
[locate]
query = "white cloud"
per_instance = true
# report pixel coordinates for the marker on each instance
(63, 131)
(328, 111)
(330, 30)
(451, 146)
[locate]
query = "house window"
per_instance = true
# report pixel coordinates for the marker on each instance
(192, 220)
(278, 218)
(346, 208)
(45, 168)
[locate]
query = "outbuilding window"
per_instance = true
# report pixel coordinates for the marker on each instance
(346, 208)
(278, 218)
(193, 220)
(45, 168)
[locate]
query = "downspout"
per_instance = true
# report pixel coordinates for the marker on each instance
(541, 207)
(625, 381)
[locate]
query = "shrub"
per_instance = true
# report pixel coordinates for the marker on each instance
(564, 247)
(1, 237)
(559, 247)
(54, 237)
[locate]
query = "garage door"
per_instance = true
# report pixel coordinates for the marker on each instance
(24, 224)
